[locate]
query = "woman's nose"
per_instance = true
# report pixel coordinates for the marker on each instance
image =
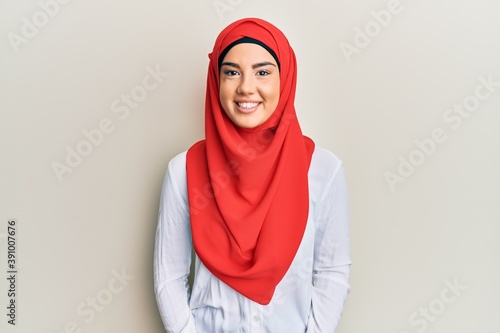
(247, 85)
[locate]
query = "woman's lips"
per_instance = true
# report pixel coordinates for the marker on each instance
(247, 107)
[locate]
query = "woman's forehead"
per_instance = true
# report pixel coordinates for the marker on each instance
(249, 41)
(248, 52)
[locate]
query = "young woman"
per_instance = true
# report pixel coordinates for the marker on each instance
(264, 208)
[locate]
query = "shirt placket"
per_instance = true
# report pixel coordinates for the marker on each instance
(256, 324)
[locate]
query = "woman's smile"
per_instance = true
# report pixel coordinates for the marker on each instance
(247, 107)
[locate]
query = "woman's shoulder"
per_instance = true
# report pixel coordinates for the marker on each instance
(178, 163)
(325, 161)
(176, 170)
(325, 167)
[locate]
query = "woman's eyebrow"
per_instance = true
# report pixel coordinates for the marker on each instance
(260, 64)
(232, 64)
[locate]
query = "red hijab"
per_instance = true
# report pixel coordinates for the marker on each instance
(248, 188)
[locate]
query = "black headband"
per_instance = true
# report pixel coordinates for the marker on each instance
(247, 40)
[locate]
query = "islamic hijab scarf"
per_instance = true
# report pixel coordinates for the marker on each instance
(248, 188)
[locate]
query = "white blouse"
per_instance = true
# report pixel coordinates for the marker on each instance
(311, 296)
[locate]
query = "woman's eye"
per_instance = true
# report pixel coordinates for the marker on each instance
(230, 73)
(262, 73)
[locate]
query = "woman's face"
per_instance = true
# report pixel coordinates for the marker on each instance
(249, 88)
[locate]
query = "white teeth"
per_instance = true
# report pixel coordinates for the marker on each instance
(247, 105)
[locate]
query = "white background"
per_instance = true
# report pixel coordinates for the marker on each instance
(438, 224)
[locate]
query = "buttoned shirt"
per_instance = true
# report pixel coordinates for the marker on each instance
(310, 297)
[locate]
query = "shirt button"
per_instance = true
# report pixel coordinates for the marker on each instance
(256, 318)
